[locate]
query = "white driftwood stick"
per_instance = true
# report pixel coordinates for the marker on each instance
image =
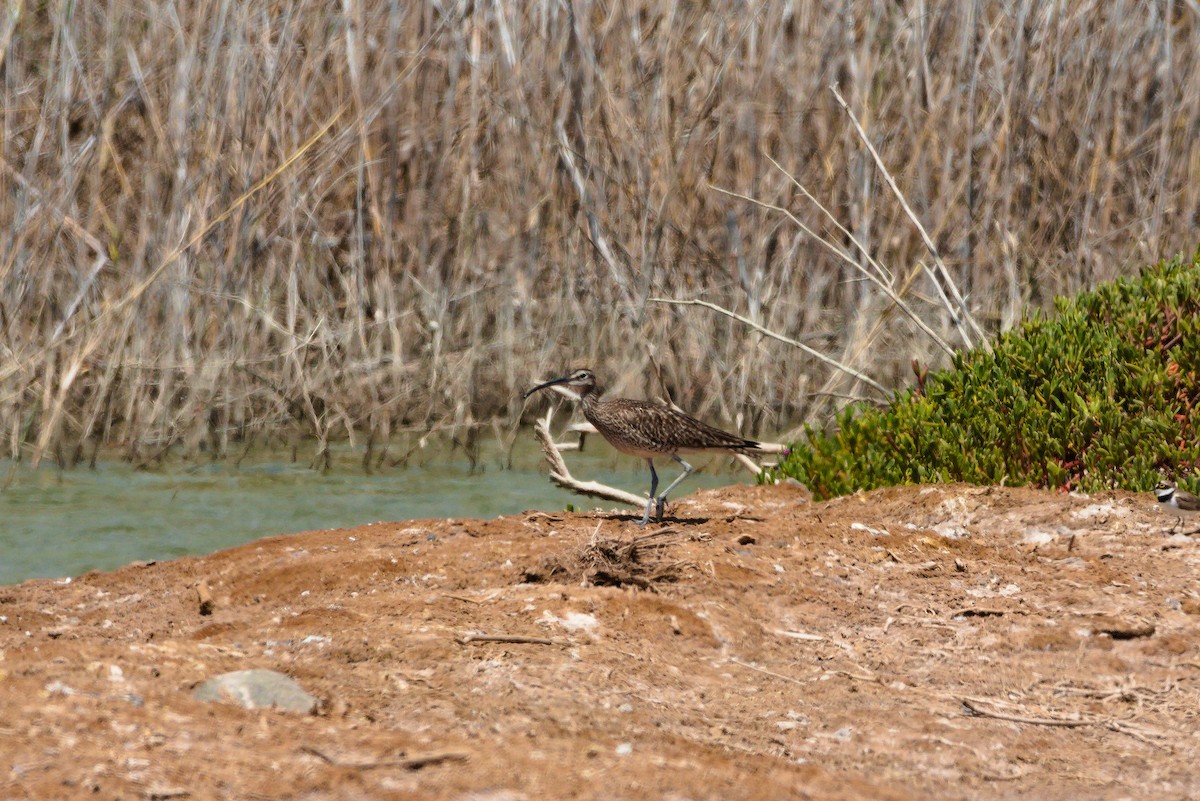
(576, 428)
(745, 461)
(561, 475)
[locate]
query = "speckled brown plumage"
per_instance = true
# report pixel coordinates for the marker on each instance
(646, 429)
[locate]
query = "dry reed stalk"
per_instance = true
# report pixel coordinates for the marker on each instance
(362, 220)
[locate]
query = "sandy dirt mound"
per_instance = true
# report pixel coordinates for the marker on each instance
(948, 642)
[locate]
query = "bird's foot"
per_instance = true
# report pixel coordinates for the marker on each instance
(661, 505)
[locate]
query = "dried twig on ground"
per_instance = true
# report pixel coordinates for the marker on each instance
(516, 639)
(407, 763)
(772, 673)
(974, 706)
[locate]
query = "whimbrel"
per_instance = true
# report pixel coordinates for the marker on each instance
(646, 429)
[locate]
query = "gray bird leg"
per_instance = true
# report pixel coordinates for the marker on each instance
(662, 499)
(653, 487)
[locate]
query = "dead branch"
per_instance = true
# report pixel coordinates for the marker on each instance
(816, 354)
(1141, 733)
(881, 277)
(517, 639)
(407, 763)
(972, 706)
(779, 676)
(576, 428)
(748, 463)
(560, 474)
(963, 313)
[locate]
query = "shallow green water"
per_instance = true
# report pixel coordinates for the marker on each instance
(64, 522)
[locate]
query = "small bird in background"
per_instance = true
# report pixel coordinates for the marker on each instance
(1182, 504)
(649, 430)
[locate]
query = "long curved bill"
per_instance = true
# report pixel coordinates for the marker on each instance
(562, 380)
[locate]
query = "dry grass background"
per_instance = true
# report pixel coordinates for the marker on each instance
(229, 221)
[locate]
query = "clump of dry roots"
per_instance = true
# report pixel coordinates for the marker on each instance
(641, 561)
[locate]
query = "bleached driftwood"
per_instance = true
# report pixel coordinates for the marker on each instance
(576, 428)
(753, 467)
(561, 475)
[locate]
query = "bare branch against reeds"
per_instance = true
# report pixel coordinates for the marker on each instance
(881, 277)
(390, 213)
(850, 371)
(962, 312)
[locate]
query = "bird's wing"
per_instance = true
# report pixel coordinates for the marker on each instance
(657, 427)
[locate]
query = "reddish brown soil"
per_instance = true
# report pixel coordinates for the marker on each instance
(756, 646)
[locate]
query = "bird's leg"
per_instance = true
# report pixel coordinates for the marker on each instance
(662, 499)
(653, 487)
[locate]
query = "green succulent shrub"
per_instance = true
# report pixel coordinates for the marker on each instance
(1102, 393)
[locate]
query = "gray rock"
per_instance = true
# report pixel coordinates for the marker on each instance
(257, 689)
